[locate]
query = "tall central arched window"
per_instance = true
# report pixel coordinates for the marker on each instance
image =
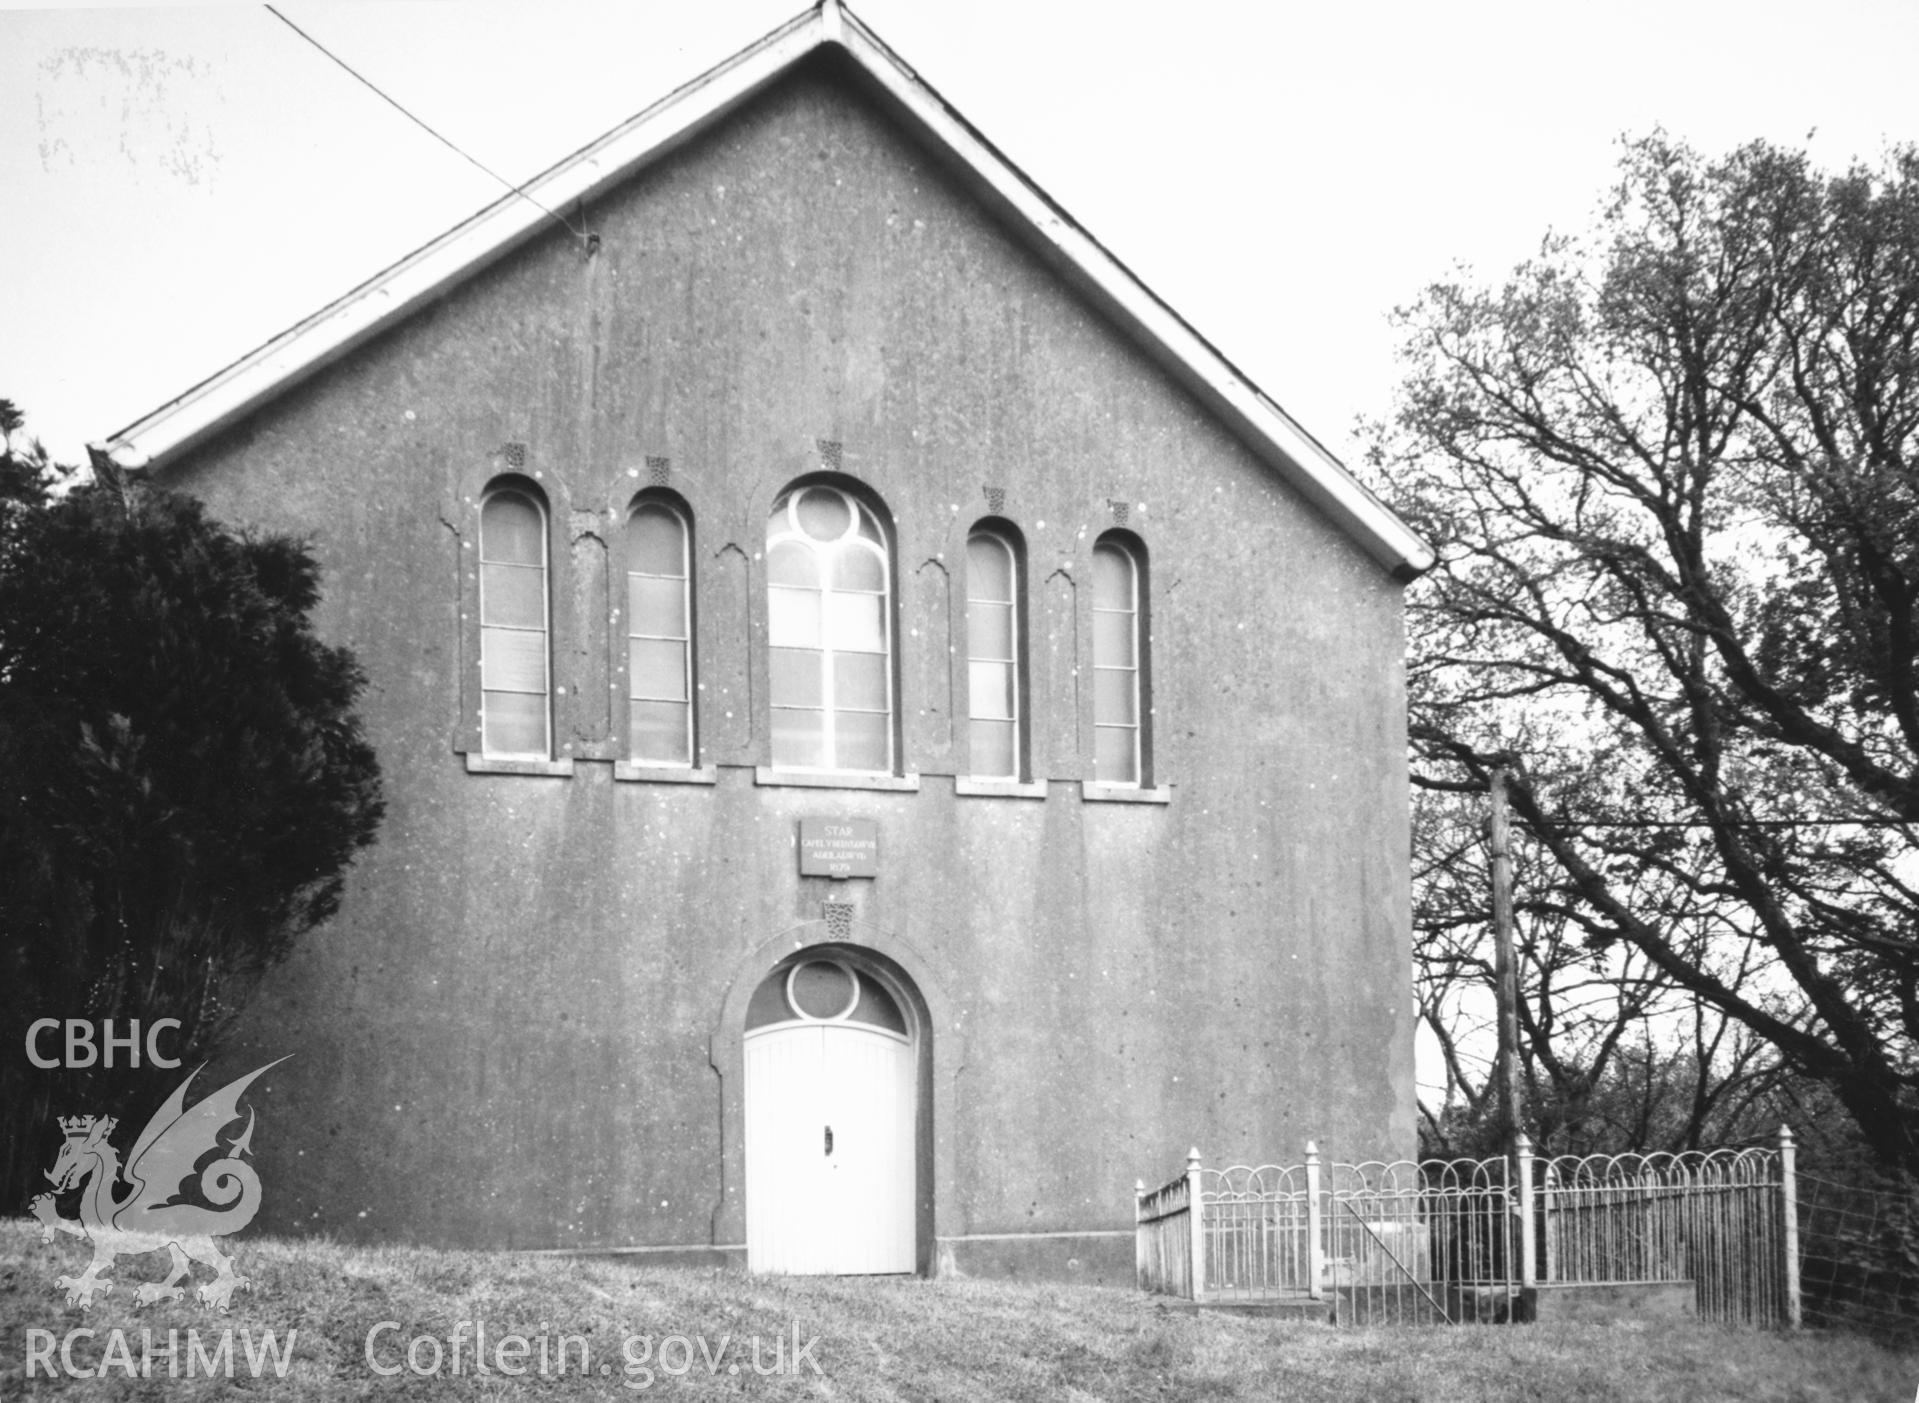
(829, 626)
(515, 695)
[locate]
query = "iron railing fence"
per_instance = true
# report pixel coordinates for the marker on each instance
(1470, 1240)
(1259, 1230)
(1473, 1211)
(1715, 1218)
(1415, 1244)
(1165, 1238)
(1378, 1241)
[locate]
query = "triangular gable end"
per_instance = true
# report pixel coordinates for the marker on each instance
(429, 271)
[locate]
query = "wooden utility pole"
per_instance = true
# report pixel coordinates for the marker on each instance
(1505, 967)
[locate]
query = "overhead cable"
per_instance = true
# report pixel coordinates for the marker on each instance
(585, 239)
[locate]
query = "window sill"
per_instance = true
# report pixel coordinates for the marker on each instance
(1124, 794)
(501, 765)
(823, 779)
(999, 788)
(663, 774)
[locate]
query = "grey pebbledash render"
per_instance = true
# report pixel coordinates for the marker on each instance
(889, 737)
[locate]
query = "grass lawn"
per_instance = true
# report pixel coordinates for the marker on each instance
(879, 1338)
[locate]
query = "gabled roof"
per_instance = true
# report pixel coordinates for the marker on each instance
(429, 271)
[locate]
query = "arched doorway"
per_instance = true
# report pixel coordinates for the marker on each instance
(832, 1109)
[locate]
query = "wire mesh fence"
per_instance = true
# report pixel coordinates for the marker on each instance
(1859, 1257)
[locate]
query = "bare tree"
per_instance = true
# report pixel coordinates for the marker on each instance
(1669, 470)
(1614, 1056)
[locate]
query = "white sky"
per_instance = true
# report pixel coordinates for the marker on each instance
(182, 183)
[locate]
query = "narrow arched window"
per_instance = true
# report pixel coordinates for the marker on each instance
(993, 646)
(829, 629)
(516, 714)
(659, 635)
(1118, 663)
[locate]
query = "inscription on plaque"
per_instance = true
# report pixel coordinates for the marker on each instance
(839, 847)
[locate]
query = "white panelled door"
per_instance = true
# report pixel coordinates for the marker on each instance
(830, 1152)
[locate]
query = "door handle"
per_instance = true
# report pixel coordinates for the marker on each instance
(829, 1139)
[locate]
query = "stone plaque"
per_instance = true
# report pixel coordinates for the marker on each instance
(839, 847)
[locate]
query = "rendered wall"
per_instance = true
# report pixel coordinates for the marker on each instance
(512, 1035)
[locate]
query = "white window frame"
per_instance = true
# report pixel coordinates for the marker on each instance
(787, 506)
(1018, 717)
(1136, 669)
(545, 629)
(671, 509)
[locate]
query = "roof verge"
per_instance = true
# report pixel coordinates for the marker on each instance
(394, 293)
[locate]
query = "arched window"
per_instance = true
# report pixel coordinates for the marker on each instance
(993, 645)
(659, 634)
(824, 990)
(516, 714)
(1119, 662)
(829, 627)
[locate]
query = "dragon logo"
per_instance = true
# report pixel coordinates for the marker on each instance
(153, 1214)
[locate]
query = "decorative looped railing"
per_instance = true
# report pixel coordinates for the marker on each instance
(1467, 1240)
(1714, 1218)
(1256, 1230)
